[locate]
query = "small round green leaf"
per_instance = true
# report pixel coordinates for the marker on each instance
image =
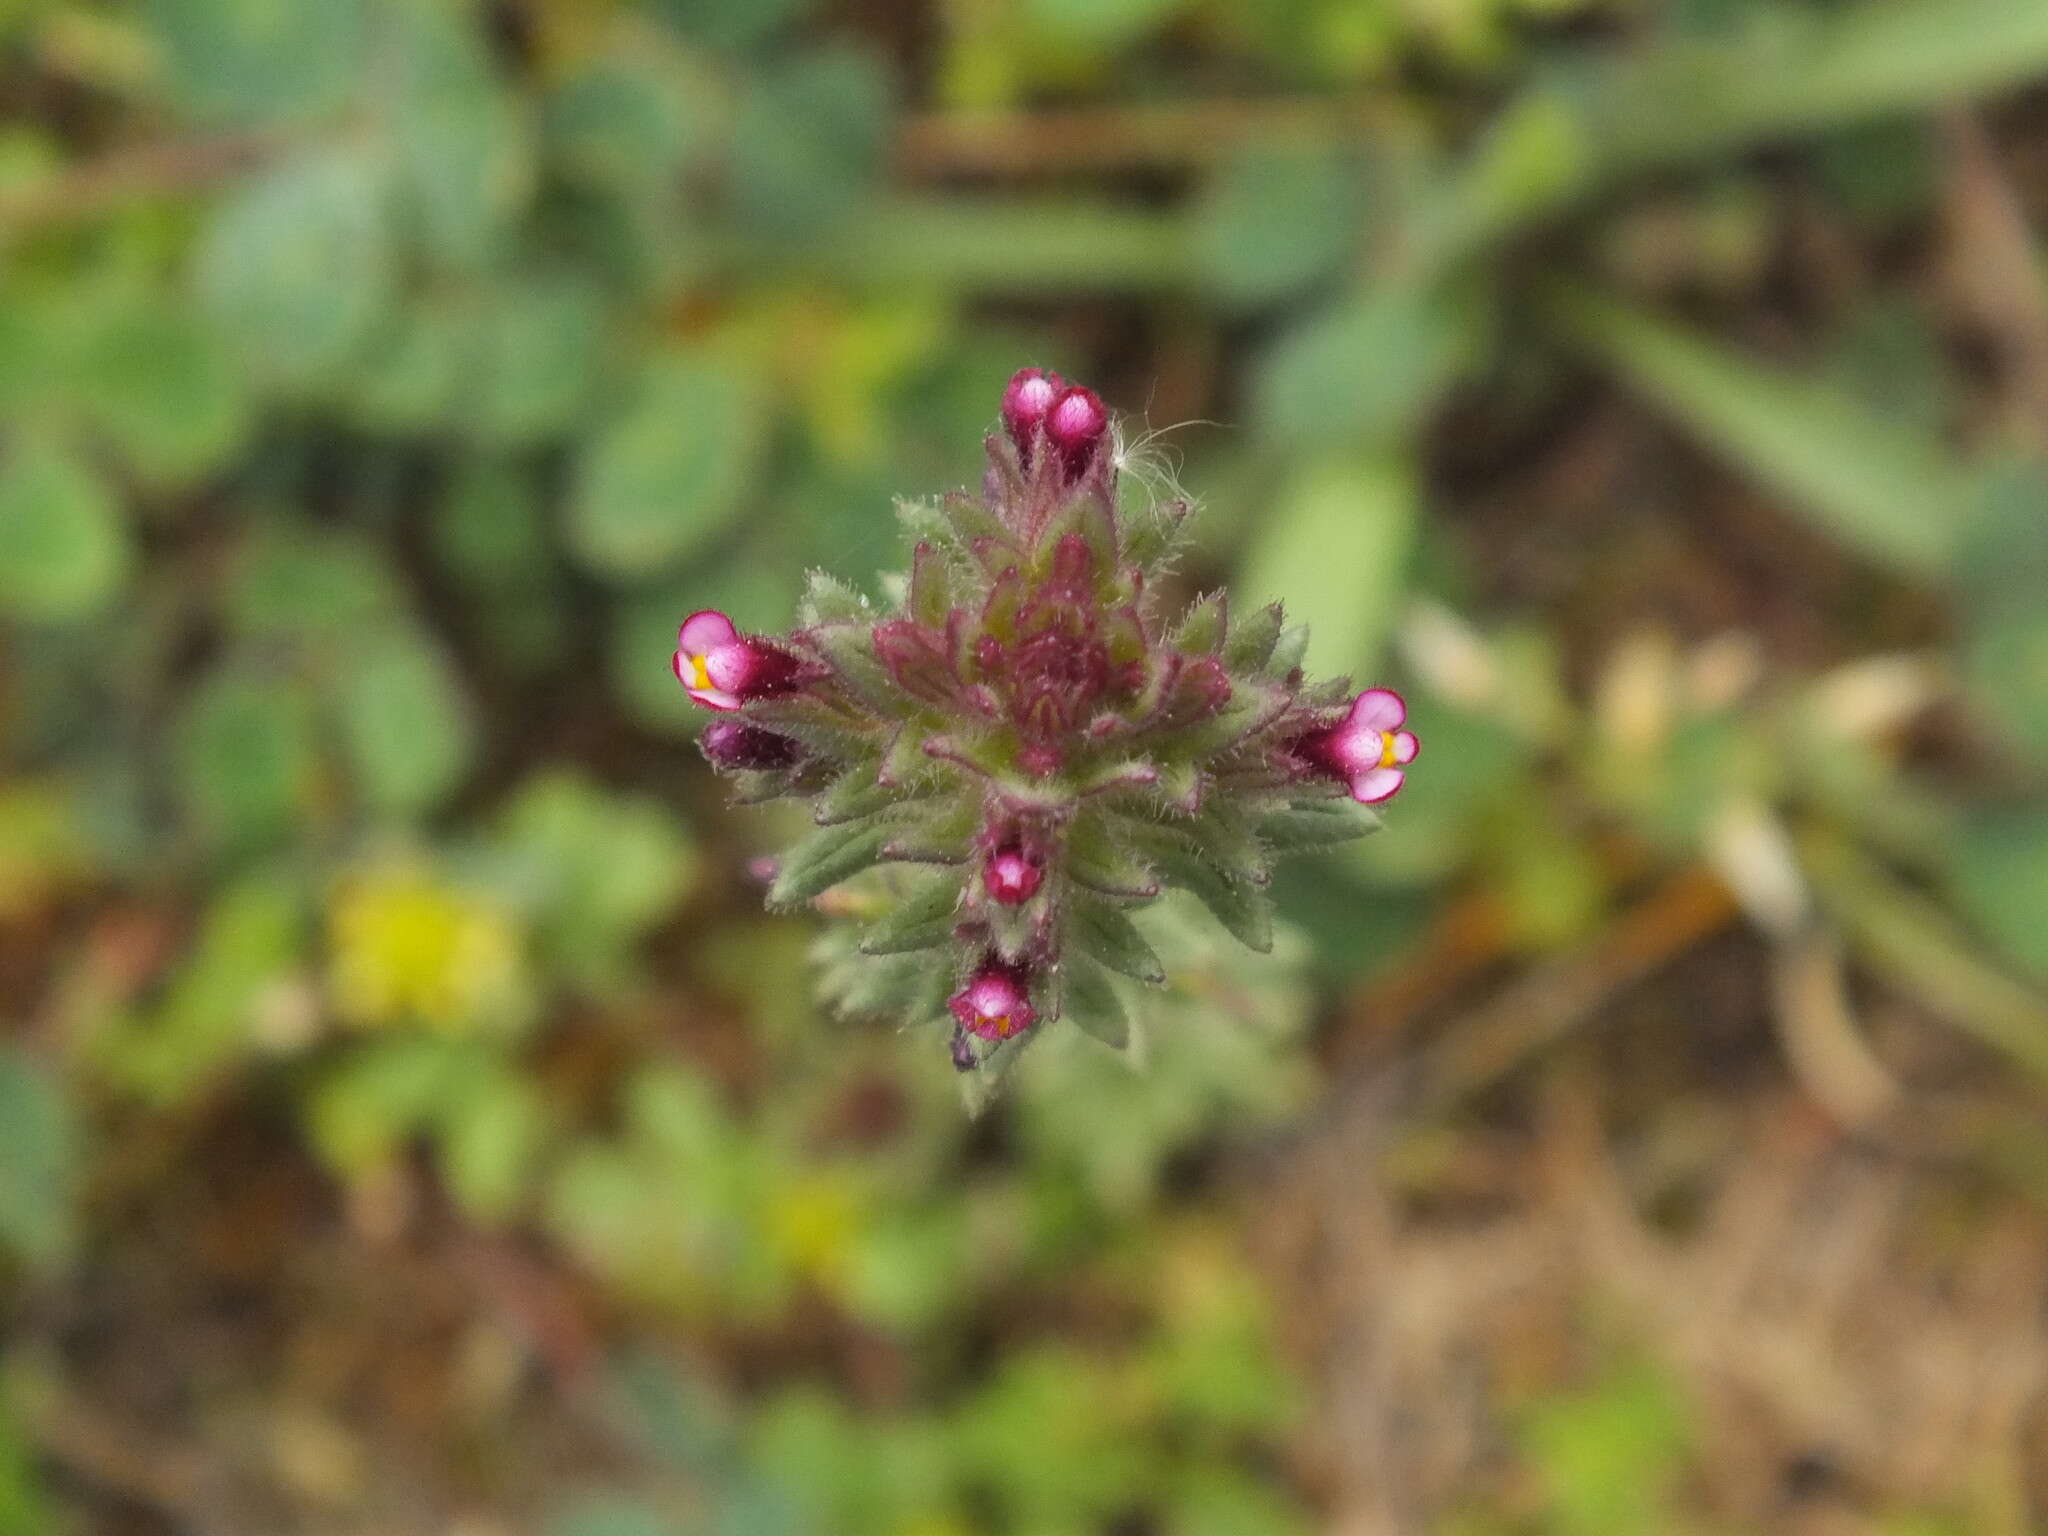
(244, 755)
(259, 60)
(405, 723)
(64, 543)
(670, 473)
(162, 388)
(298, 267)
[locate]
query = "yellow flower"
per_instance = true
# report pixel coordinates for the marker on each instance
(408, 948)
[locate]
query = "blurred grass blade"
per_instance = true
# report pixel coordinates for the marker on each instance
(1917, 945)
(1695, 99)
(1044, 246)
(1338, 543)
(1865, 481)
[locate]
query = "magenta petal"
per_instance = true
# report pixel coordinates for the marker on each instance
(715, 698)
(1375, 785)
(1377, 709)
(1355, 748)
(704, 631)
(1405, 746)
(730, 666)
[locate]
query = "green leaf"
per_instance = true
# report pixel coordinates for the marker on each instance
(248, 944)
(1884, 491)
(1225, 881)
(1799, 71)
(405, 722)
(850, 649)
(1202, 627)
(259, 60)
(670, 473)
(1314, 825)
(159, 385)
(539, 349)
(1610, 1457)
(854, 794)
(599, 868)
(420, 368)
(376, 1099)
(626, 123)
(489, 528)
(64, 545)
(736, 24)
(298, 267)
(38, 1158)
(921, 920)
(1338, 549)
(2002, 572)
(1103, 934)
(244, 755)
(828, 600)
(1275, 221)
(1091, 1001)
(608, 1515)
(491, 1136)
(808, 140)
(465, 156)
(1100, 25)
(938, 837)
(1249, 647)
(826, 857)
(1367, 368)
(316, 588)
(1098, 861)
(2001, 879)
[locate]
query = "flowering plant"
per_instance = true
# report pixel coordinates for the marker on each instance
(1024, 729)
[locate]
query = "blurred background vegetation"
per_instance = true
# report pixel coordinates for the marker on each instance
(409, 1123)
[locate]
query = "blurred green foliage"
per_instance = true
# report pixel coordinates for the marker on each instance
(380, 382)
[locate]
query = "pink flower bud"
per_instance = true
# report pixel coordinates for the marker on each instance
(1010, 877)
(996, 1002)
(722, 669)
(1075, 425)
(1367, 749)
(1029, 396)
(732, 744)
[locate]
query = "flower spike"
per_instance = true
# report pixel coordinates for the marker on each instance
(1027, 751)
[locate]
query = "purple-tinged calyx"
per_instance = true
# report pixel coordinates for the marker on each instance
(1367, 749)
(995, 1005)
(731, 744)
(722, 668)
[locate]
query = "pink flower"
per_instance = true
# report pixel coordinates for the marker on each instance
(734, 744)
(1075, 424)
(1029, 396)
(1367, 748)
(722, 668)
(1010, 877)
(996, 1003)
